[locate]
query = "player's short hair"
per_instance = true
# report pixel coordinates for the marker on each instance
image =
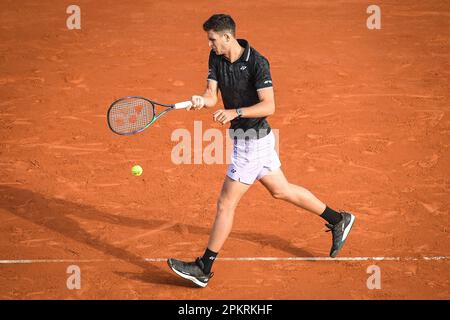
(220, 23)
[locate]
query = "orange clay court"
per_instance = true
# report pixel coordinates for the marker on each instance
(364, 124)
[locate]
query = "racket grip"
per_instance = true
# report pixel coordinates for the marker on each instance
(182, 105)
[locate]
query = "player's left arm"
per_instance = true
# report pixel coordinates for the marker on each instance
(266, 105)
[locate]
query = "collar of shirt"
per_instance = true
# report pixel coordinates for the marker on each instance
(245, 55)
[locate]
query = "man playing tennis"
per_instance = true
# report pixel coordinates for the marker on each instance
(243, 76)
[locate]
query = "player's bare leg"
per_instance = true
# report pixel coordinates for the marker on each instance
(232, 192)
(199, 271)
(340, 223)
(279, 187)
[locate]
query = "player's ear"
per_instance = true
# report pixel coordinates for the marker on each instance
(227, 36)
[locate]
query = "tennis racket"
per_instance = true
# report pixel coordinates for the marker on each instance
(131, 115)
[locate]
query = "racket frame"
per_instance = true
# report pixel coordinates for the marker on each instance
(154, 115)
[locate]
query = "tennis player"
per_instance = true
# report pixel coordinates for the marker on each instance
(243, 76)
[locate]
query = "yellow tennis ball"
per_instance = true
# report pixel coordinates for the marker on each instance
(136, 170)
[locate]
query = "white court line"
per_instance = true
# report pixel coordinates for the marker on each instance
(50, 261)
(431, 258)
(337, 259)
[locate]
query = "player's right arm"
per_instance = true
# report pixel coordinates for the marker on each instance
(208, 99)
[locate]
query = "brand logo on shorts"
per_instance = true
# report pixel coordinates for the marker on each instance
(233, 171)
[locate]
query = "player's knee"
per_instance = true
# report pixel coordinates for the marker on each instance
(224, 207)
(283, 194)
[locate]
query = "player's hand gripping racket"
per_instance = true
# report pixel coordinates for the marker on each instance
(130, 115)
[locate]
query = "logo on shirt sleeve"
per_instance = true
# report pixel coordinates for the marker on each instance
(267, 81)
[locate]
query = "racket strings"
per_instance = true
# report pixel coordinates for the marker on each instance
(130, 115)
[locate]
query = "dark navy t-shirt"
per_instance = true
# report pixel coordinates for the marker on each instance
(239, 82)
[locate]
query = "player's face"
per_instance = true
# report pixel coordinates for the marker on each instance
(219, 42)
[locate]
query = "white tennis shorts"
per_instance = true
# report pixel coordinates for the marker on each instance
(252, 159)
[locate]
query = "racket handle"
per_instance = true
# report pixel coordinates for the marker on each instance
(182, 105)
